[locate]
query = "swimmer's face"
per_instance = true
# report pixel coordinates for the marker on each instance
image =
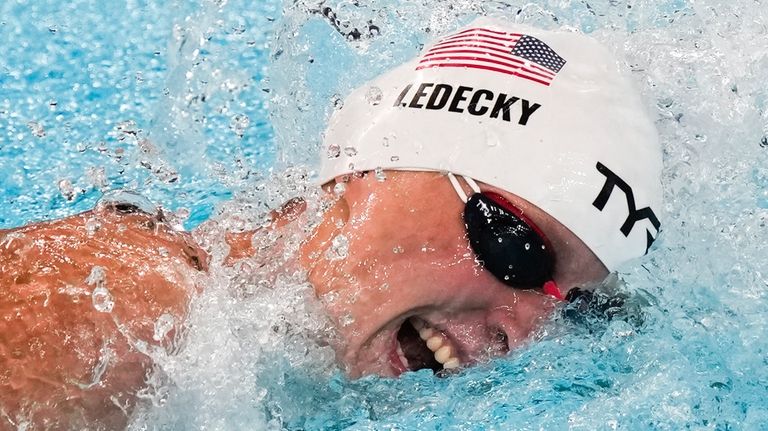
(408, 264)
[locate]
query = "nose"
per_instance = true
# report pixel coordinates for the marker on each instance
(519, 322)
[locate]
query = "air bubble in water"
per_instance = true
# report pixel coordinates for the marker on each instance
(397, 249)
(101, 298)
(380, 175)
(385, 141)
(163, 325)
(373, 96)
(333, 151)
(527, 246)
(36, 128)
(394, 158)
(339, 248)
(239, 123)
(350, 151)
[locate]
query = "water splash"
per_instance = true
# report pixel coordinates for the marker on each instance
(254, 355)
(100, 296)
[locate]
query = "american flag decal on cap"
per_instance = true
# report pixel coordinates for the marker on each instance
(514, 54)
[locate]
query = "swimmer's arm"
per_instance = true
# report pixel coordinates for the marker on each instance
(56, 325)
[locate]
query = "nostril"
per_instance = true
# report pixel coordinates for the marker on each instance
(499, 340)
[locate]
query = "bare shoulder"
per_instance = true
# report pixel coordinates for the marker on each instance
(76, 296)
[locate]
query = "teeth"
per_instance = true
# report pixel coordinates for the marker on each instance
(434, 342)
(438, 344)
(451, 364)
(443, 354)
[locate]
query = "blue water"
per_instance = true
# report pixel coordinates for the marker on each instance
(101, 78)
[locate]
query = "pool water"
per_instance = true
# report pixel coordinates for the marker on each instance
(216, 109)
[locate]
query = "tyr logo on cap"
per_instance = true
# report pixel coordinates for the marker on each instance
(635, 215)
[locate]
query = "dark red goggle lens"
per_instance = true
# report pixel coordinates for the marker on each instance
(506, 243)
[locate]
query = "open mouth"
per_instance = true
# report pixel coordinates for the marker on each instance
(420, 346)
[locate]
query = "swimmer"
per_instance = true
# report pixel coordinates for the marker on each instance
(474, 189)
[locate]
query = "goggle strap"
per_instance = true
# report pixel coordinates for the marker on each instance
(472, 184)
(460, 190)
(457, 187)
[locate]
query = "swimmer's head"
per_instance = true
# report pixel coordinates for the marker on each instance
(545, 115)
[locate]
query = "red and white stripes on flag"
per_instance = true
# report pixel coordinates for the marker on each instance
(514, 54)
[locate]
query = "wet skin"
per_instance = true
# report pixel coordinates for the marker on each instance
(407, 256)
(52, 338)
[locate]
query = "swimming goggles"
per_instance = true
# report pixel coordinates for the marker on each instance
(506, 242)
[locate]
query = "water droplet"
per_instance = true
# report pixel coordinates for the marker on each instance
(183, 213)
(339, 248)
(239, 123)
(127, 128)
(397, 249)
(346, 320)
(37, 129)
(333, 151)
(163, 325)
(101, 298)
(339, 189)
(374, 95)
(67, 190)
(394, 158)
(92, 226)
(330, 297)
(380, 175)
(350, 151)
(337, 102)
(97, 177)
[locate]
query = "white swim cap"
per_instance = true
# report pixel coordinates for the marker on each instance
(545, 115)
